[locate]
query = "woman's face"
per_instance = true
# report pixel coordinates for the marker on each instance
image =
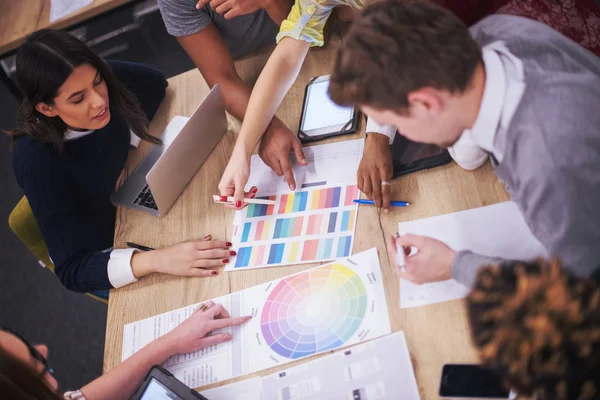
(17, 348)
(82, 101)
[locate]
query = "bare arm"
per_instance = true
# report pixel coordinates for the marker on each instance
(275, 80)
(122, 381)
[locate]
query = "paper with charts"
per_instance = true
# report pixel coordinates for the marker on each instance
(314, 223)
(498, 230)
(321, 309)
(378, 369)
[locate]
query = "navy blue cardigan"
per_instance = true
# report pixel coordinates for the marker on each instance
(70, 193)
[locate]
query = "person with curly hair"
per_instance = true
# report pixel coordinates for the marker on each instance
(538, 327)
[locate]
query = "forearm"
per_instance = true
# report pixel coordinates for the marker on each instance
(277, 77)
(278, 10)
(466, 264)
(122, 381)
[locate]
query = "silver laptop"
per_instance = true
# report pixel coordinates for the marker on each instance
(157, 182)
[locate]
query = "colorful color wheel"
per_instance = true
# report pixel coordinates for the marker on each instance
(314, 311)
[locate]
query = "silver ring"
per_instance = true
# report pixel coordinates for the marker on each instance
(385, 183)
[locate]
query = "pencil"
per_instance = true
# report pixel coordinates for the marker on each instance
(224, 199)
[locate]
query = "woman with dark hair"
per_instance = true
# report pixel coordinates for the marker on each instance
(26, 375)
(78, 118)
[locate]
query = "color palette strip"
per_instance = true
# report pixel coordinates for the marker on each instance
(348, 218)
(343, 248)
(292, 202)
(351, 195)
(288, 227)
(321, 223)
(256, 231)
(257, 255)
(260, 210)
(326, 198)
(318, 249)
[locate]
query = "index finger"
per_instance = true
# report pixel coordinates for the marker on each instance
(226, 322)
(376, 188)
(201, 3)
(287, 173)
(410, 240)
(386, 192)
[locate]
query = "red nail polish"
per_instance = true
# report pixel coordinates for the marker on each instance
(225, 260)
(223, 198)
(232, 253)
(228, 244)
(252, 195)
(214, 272)
(238, 204)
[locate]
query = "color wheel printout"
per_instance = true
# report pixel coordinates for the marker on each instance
(318, 310)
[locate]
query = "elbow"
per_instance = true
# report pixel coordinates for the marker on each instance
(67, 274)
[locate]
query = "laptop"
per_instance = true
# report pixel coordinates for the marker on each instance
(164, 173)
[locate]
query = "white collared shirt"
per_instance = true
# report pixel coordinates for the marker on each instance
(504, 87)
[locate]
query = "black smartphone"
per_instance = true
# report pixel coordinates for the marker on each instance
(160, 384)
(467, 381)
(408, 156)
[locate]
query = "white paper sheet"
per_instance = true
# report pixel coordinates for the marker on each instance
(61, 8)
(328, 164)
(248, 389)
(322, 309)
(498, 230)
(378, 369)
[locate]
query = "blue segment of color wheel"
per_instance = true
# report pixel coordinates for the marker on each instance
(314, 311)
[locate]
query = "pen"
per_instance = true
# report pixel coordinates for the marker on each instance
(138, 246)
(225, 199)
(392, 203)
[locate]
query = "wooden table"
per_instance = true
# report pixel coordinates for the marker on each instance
(19, 18)
(436, 334)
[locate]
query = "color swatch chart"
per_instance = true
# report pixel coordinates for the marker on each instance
(321, 309)
(315, 224)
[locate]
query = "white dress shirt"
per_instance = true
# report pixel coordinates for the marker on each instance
(504, 87)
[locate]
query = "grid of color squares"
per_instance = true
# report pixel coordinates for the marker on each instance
(314, 311)
(292, 202)
(260, 210)
(321, 223)
(293, 252)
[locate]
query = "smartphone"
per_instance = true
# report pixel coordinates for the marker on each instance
(468, 381)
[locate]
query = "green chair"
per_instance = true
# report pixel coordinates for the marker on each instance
(23, 224)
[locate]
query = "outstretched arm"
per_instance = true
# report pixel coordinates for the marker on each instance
(277, 77)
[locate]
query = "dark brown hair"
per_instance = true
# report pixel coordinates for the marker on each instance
(18, 381)
(396, 47)
(44, 62)
(538, 326)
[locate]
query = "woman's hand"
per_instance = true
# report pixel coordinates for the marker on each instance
(235, 178)
(194, 333)
(193, 258)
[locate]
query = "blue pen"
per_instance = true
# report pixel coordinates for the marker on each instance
(392, 203)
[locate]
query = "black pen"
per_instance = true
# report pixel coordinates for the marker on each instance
(138, 246)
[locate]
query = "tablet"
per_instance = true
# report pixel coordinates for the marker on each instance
(160, 384)
(321, 117)
(408, 156)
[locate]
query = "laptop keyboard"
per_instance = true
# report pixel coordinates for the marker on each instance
(145, 199)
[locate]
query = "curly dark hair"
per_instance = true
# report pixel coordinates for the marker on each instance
(538, 326)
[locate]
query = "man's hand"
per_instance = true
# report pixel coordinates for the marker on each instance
(431, 263)
(234, 8)
(375, 168)
(275, 148)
